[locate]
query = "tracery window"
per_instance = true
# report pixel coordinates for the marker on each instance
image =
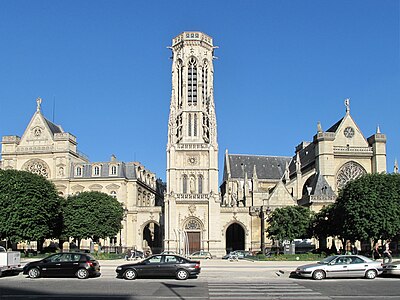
(192, 82)
(193, 225)
(37, 166)
(113, 194)
(184, 184)
(349, 171)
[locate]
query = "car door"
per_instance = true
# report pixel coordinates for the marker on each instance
(169, 265)
(69, 264)
(357, 266)
(51, 265)
(150, 266)
(338, 267)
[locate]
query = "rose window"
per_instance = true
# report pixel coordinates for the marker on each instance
(349, 171)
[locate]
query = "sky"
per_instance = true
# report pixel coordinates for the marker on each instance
(103, 71)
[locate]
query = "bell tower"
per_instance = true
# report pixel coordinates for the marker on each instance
(192, 201)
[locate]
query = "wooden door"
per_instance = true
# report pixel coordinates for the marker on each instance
(194, 241)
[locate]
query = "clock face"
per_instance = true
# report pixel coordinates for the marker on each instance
(348, 132)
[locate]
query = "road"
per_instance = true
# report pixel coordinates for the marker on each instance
(219, 279)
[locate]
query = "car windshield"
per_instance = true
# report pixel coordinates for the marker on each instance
(327, 260)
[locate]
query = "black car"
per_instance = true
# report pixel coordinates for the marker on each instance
(160, 265)
(65, 264)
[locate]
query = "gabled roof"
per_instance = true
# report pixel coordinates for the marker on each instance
(320, 187)
(53, 127)
(335, 126)
(267, 167)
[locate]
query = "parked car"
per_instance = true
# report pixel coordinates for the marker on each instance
(65, 264)
(240, 254)
(200, 255)
(160, 265)
(392, 268)
(341, 266)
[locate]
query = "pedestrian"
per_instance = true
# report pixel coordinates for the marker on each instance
(354, 250)
(128, 254)
(375, 253)
(387, 254)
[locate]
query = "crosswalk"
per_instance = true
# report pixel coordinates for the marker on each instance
(262, 290)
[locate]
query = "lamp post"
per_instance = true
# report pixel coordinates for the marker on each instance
(125, 213)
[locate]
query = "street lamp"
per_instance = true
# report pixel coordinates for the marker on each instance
(125, 213)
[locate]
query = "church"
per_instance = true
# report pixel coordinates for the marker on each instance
(194, 212)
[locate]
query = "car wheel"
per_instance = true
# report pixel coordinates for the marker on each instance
(182, 274)
(370, 274)
(318, 275)
(130, 274)
(34, 273)
(82, 274)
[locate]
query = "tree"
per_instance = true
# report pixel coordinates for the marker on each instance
(92, 215)
(289, 223)
(369, 207)
(30, 208)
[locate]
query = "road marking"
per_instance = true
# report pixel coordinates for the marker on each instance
(262, 290)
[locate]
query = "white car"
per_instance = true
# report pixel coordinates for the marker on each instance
(341, 266)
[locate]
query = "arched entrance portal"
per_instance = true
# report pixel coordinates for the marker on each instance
(152, 238)
(234, 238)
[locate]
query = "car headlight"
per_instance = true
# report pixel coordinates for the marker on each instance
(119, 268)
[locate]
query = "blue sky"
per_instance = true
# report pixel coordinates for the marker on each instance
(282, 66)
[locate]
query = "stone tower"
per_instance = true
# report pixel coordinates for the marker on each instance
(192, 204)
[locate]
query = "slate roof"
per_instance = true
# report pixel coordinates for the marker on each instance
(307, 157)
(53, 127)
(267, 167)
(335, 126)
(321, 187)
(125, 170)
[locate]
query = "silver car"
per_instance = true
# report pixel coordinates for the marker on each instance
(392, 268)
(341, 266)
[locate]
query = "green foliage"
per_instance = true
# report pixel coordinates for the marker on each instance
(325, 223)
(92, 215)
(289, 223)
(369, 207)
(30, 208)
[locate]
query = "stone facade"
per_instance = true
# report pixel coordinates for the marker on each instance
(46, 149)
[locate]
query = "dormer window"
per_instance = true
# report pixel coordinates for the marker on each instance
(96, 171)
(78, 171)
(113, 170)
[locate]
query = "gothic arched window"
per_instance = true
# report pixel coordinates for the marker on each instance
(192, 81)
(204, 80)
(184, 184)
(349, 171)
(179, 68)
(200, 183)
(190, 125)
(195, 125)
